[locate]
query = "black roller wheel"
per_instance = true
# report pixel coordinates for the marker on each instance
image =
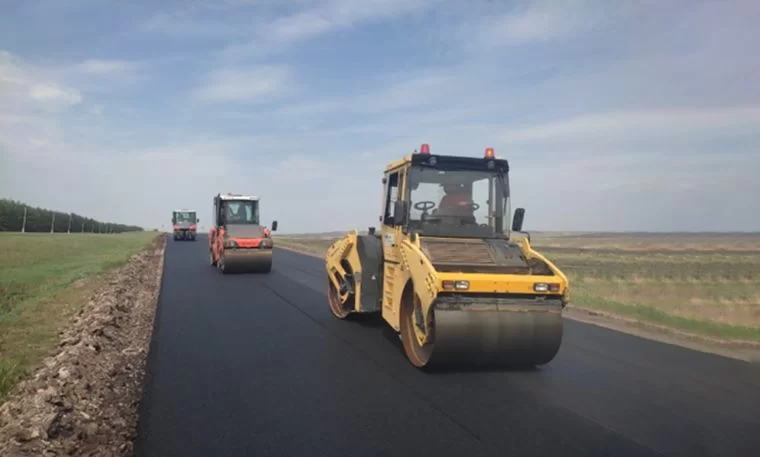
(412, 331)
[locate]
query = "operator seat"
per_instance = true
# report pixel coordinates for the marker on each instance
(232, 215)
(458, 203)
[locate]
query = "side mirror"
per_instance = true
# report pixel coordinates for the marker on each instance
(517, 221)
(400, 212)
(274, 226)
(197, 219)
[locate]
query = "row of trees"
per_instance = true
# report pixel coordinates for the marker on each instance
(17, 216)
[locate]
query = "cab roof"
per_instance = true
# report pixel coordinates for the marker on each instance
(231, 196)
(457, 162)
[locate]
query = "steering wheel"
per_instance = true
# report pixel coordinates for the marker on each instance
(424, 205)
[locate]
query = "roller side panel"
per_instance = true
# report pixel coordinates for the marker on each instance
(370, 251)
(341, 260)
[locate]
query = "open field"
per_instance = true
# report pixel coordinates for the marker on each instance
(44, 280)
(708, 284)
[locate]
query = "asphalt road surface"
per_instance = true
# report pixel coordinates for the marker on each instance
(256, 365)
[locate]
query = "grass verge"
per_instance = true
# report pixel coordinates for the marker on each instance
(316, 246)
(44, 280)
(705, 284)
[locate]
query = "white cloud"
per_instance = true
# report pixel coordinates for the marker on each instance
(22, 84)
(200, 19)
(54, 93)
(314, 106)
(349, 12)
(482, 27)
(533, 25)
(297, 27)
(104, 67)
(10, 70)
(556, 19)
(245, 84)
(58, 86)
(624, 126)
(182, 25)
(101, 75)
(318, 19)
(394, 91)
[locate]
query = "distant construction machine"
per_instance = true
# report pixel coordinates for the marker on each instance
(237, 242)
(185, 224)
(445, 271)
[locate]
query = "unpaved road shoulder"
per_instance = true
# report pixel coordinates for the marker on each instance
(83, 399)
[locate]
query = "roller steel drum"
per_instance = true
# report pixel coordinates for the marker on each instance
(492, 332)
(246, 261)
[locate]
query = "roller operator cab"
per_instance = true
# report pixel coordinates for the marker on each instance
(237, 241)
(445, 270)
(185, 223)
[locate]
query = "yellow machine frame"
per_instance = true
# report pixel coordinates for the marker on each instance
(409, 279)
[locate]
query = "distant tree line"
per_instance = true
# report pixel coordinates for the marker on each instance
(41, 220)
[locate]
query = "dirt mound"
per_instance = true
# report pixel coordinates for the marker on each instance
(83, 399)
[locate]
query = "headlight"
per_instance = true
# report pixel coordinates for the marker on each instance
(230, 244)
(265, 243)
(544, 287)
(458, 285)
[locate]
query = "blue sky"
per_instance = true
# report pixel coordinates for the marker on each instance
(639, 115)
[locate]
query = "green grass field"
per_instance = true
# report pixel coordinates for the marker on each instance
(44, 280)
(702, 283)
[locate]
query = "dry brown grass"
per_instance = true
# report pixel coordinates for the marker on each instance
(660, 242)
(704, 278)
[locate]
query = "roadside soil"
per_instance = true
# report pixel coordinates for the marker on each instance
(83, 398)
(748, 351)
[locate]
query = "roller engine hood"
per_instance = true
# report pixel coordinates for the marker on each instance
(480, 256)
(244, 231)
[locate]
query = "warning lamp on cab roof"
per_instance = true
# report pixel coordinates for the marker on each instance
(425, 149)
(489, 153)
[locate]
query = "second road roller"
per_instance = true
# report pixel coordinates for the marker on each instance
(237, 241)
(446, 270)
(185, 224)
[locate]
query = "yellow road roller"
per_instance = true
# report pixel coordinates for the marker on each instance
(446, 270)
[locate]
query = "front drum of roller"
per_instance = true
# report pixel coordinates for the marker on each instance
(247, 261)
(487, 334)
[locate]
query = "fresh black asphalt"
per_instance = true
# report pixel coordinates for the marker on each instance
(255, 365)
